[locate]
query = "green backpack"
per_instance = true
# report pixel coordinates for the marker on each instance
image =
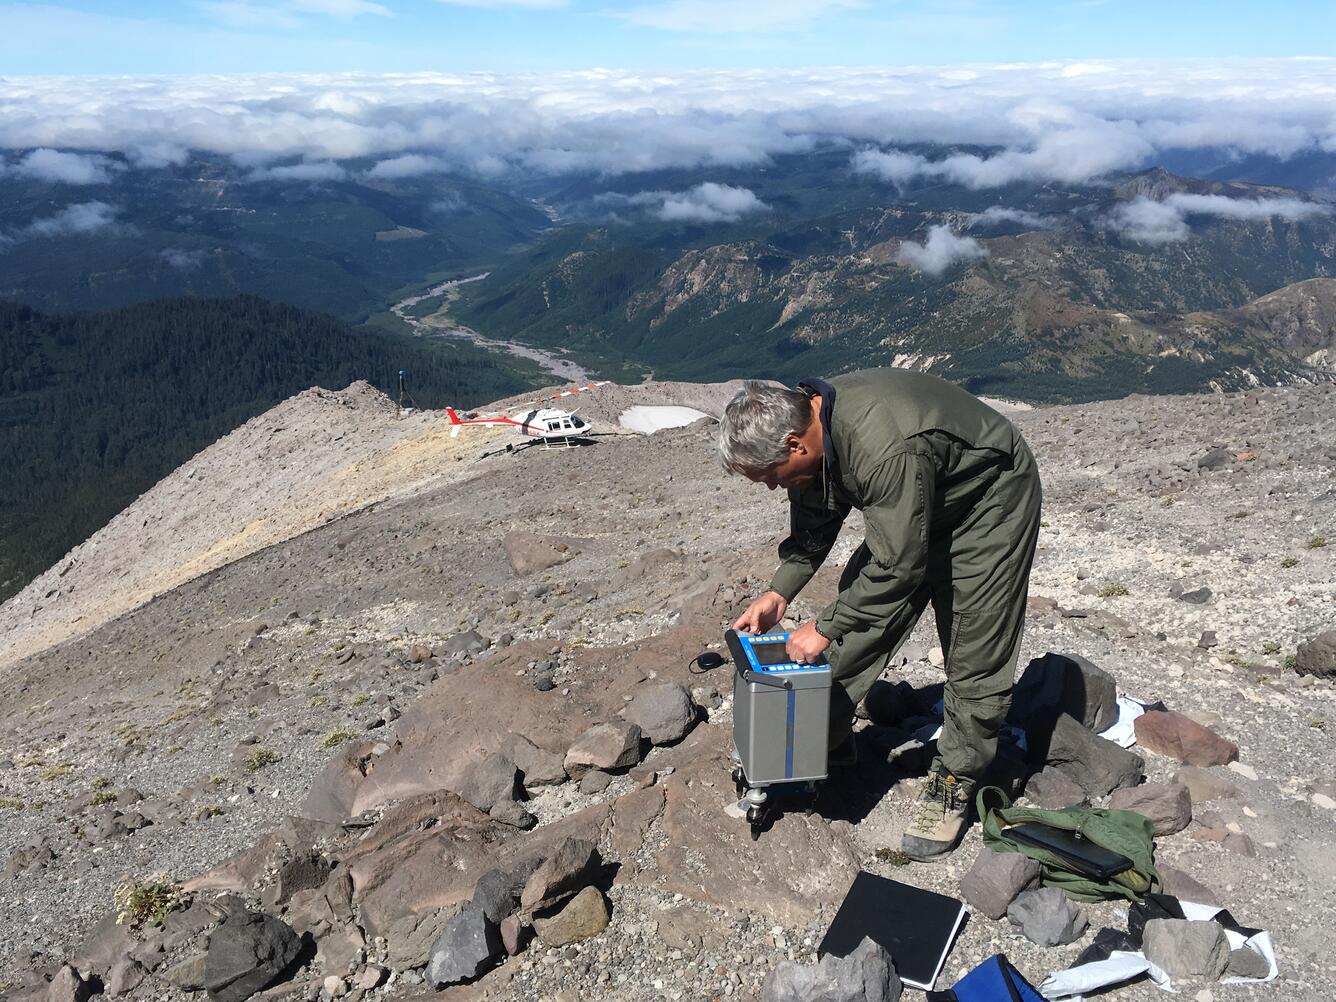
(1123, 832)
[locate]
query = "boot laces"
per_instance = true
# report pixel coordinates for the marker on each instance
(934, 802)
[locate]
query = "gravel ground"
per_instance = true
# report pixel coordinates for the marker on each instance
(169, 699)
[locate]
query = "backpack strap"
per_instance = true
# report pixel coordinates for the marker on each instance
(989, 799)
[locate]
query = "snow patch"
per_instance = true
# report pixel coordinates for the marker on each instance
(645, 420)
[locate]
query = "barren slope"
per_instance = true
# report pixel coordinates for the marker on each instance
(310, 642)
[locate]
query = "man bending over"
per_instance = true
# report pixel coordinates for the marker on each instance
(950, 498)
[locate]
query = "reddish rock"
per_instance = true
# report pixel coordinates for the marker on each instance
(424, 855)
(571, 867)
(68, 986)
(1167, 805)
(1053, 789)
(514, 934)
(1239, 843)
(1175, 735)
(530, 553)
(1185, 887)
(610, 746)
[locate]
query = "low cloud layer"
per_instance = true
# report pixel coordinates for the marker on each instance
(999, 215)
(705, 203)
(1151, 222)
(318, 170)
(940, 251)
(74, 220)
(1060, 122)
(61, 168)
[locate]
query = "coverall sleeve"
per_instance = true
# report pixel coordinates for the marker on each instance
(814, 526)
(900, 494)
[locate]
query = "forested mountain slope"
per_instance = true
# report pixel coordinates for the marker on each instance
(96, 407)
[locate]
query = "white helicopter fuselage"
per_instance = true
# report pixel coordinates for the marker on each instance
(552, 422)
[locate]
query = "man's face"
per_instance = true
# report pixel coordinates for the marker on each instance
(801, 468)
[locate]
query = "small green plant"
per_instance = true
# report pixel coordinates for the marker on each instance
(102, 797)
(1113, 591)
(260, 758)
(1318, 725)
(55, 772)
(630, 610)
(359, 699)
(1289, 562)
(1291, 662)
(11, 804)
(1317, 542)
(892, 856)
(207, 811)
(1169, 502)
(148, 902)
(335, 738)
(319, 699)
(1270, 647)
(101, 783)
(217, 780)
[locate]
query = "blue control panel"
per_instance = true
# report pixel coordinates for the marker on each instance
(766, 653)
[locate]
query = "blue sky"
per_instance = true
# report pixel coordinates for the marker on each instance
(509, 36)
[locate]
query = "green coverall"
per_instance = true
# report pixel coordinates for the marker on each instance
(950, 497)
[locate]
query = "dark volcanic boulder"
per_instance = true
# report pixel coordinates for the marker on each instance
(248, 952)
(1098, 766)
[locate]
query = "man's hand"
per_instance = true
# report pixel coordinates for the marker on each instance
(762, 614)
(806, 645)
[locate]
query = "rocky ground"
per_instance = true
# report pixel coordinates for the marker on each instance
(362, 658)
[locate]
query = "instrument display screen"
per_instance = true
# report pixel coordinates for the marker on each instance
(771, 654)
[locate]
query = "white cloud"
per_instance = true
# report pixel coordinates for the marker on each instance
(284, 15)
(1040, 122)
(449, 203)
(998, 214)
(531, 4)
(733, 17)
(245, 15)
(78, 219)
(705, 203)
(940, 251)
(318, 170)
(63, 168)
(409, 165)
(1150, 222)
(710, 203)
(341, 8)
(183, 260)
(1071, 153)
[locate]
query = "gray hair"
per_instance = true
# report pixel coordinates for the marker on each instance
(755, 429)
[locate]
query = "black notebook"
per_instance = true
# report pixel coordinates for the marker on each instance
(916, 927)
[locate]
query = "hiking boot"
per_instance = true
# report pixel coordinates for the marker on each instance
(844, 755)
(940, 818)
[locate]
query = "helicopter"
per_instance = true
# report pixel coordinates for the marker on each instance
(550, 425)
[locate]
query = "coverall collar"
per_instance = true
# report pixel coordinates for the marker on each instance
(829, 461)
